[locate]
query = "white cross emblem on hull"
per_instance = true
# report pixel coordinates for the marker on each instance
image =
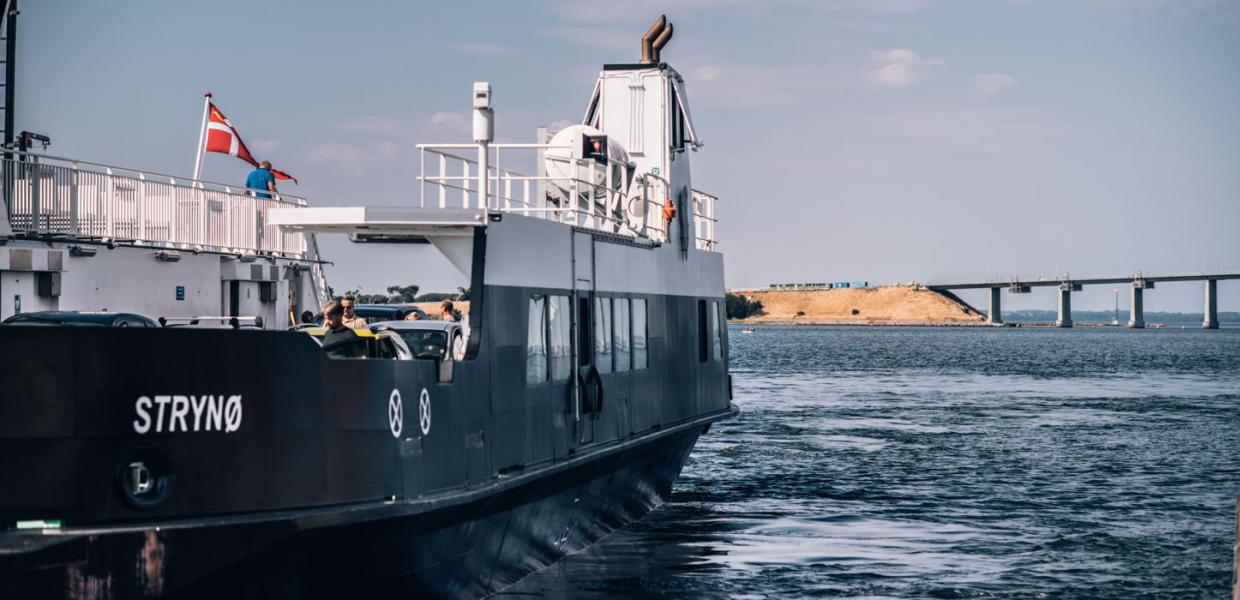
(396, 414)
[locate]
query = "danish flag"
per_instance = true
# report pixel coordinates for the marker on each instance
(222, 136)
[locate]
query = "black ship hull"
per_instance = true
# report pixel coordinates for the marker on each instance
(141, 463)
(466, 548)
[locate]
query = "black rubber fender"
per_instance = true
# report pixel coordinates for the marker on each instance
(591, 388)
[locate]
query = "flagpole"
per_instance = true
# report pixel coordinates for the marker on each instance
(202, 134)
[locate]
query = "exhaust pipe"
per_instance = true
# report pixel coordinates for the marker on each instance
(650, 41)
(661, 41)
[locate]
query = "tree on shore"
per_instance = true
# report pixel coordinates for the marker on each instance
(740, 307)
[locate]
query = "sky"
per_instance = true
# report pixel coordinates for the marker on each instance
(848, 140)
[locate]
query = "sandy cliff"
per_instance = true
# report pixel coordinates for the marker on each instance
(888, 305)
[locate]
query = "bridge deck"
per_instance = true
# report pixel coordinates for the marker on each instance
(1083, 281)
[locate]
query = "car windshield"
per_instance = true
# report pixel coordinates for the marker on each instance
(426, 344)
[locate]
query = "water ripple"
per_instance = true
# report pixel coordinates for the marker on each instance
(947, 463)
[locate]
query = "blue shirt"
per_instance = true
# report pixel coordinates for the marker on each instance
(258, 180)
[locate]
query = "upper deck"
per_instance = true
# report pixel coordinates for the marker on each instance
(610, 196)
(63, 198)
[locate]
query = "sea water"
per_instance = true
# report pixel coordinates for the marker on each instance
(946, 463)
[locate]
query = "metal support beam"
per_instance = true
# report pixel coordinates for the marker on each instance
(994, 316)
(1211, 312)
(1136, 313)
(1065, 305)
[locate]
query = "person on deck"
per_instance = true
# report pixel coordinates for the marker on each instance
(350, 315)
(337, 332)
(448, 312)
(261, 179)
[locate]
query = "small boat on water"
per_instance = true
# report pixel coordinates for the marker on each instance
(210, 459)
(747, 330)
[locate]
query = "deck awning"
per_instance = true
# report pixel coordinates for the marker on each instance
(450, 230)
(379, 220)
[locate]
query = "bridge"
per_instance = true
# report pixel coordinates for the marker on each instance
(1139, 283)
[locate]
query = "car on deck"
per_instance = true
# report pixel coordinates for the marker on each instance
(73, 318)
(367, 344)
(441, 340)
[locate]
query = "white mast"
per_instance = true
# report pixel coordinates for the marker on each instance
(202, 134)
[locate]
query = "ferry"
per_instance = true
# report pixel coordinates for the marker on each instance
(169, 429)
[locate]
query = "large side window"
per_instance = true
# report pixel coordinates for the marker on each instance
(716, 333)
(602, 334)
(559, 340)
(536, 341)
(620, 333)
(640, 340)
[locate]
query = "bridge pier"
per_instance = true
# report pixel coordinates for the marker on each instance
(1211, 316)
(994, 316)
(1065, 305)
(1136, 316)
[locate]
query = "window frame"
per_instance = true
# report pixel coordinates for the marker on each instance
(645, 332)
(604, 360)
(566, 315)
(620, 344)
(530, 373)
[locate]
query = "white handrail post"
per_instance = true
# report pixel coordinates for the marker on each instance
(176, 214)
(228, 227)
(110, 204)
(36, 201)
(73, 199)
(465, 184)
(525, 196)
(204, 238)
(422, 178)
(142, 206)
(573, 193)
(443, 174)
(484, 176)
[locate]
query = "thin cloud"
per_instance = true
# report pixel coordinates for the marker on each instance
(706, 73)
(989, 84)
(482, 49)
(632, 11)
(331, 153)
(602, 38)
(263, 146)
(449, 120)
(381, 125)
(900, 67)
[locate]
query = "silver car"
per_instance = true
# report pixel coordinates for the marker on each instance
(434, 340)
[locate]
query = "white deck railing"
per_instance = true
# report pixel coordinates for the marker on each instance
(54, 196)
(597, 195)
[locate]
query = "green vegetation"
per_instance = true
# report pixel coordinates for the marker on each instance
(740, 307)
(404, 294)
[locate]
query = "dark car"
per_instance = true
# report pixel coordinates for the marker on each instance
(374, 313)
(377, 313)
(74, 318)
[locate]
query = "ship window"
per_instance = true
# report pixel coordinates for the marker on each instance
(716, 334)
(621, 335)
(584, 338)
(640, 344)
(602, 334)
(536, 341)
(560, 335)
(703, 332)
(678, 125)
